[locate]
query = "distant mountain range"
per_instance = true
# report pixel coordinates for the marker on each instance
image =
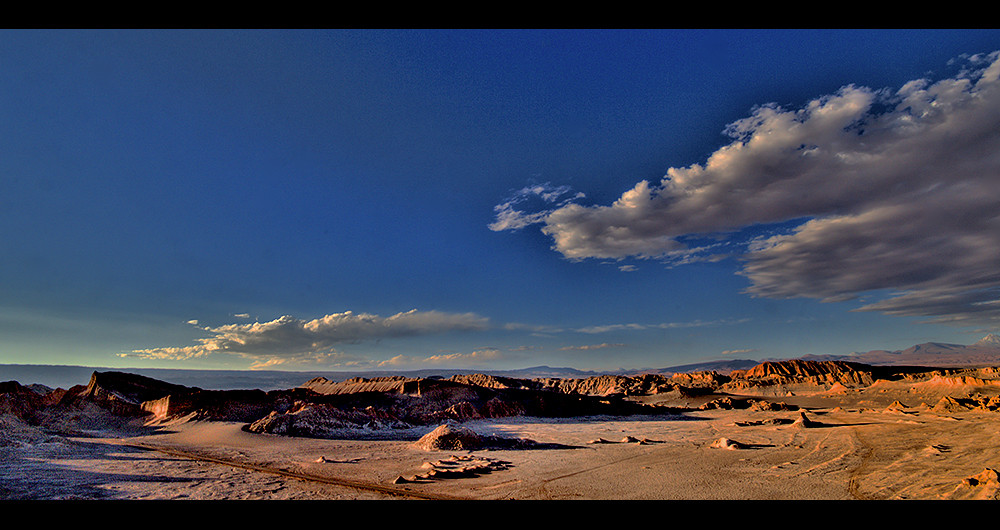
(984, 352)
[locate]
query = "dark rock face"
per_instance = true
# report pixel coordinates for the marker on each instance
(434, 402)
(124, 393)
(20, 401)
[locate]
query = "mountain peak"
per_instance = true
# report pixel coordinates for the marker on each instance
(989, 340)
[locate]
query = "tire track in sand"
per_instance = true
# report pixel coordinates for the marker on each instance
(540, 487)
(852, 485)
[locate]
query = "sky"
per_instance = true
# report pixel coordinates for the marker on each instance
(494, 199)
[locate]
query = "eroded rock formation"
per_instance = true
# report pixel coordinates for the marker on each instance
(324, 408)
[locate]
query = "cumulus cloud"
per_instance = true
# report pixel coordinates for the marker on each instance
(290, 339)
(889, 192)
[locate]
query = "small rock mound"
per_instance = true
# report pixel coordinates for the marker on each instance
(449, 437)
(804, 421)
(986, 484)
(988, 476)
(896, 406)
(455, 467)
(770, 421)
(726, 443)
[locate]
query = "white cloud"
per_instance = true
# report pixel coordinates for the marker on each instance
(611, 327)
(484, 354)
(290, 339)
(449, 359)
(891, 191)
(592, 347)
(507, 218)
(664, 325)
(538, 329)
(734, 352)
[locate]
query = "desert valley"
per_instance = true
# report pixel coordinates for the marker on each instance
(829, 429)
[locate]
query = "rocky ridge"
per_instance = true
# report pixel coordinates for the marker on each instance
(394, 406)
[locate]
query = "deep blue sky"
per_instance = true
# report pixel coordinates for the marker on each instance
(162, 191)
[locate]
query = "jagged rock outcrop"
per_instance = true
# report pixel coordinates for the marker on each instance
(123, 393)
(797, 369)
(324, 408)
(20, 401)
(800, 372)
(804, 422)
(495, 382)
(966, 379)
(322, 385)
(700, 379)
(324, 421)
(437, 401)
(730, 403)
(949, 404)
(608, 385)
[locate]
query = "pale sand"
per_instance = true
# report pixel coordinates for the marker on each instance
(851, 453)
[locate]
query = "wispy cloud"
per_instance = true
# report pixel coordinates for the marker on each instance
(611, 327)
(541, 329)
(736, 352)
(664, 325)
(592, 347)
(289, 339)
(889, 190)
(449, 359)
(509, 218)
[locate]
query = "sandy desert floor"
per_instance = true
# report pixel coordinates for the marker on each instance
(855, 448)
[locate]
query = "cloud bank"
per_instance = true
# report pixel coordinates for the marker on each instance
(290, 339)
(891, 192)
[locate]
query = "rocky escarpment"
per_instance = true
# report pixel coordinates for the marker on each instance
(603, 385)
(408, 403)
(144, 399)
(324, 408)
(124, 393)
(376, 405)
(394, 384)
(608, 385)
(800, 372)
